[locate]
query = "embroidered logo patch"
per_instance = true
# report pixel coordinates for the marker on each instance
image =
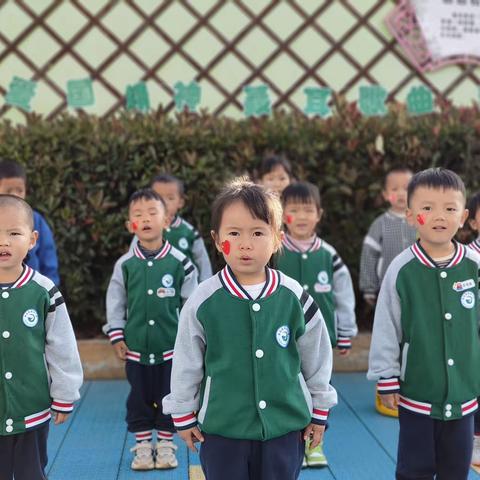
(283, 336)
(183, 243)
(468, 299)
(323, 277)
(319, 288)
(465, 285)
(167, 280)
(30, 318)
(165, 292)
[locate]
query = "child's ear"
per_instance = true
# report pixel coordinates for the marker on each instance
(128, 226)
(385, 196)
(167, 221)
(215, 240)
(473, 224)
(409, 217)
(182, 203)
(320, 214)
(33, 239)
(464, 218)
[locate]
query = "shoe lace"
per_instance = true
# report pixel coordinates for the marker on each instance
(142, 450)
(166, 449)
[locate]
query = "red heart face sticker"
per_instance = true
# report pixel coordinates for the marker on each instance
(421, 219)
(225, 247)
(289, 219)
(393, 198)
(135, 226)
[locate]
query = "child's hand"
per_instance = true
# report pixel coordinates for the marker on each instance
(190, 436)
(344, 352)
(60, 417)
(121, 350)
(370, 299)
(390, 400)
(315, 432)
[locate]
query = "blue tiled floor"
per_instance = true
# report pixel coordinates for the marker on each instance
(94, 443)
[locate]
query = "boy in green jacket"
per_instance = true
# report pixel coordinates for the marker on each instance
(425, 350)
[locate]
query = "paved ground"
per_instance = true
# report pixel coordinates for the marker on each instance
(94, 444)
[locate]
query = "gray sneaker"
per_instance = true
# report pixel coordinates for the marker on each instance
(165, 455)
(143, 459)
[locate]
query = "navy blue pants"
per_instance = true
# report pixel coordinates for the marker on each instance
(477, 421)
(429, 447)
(149, 384)
(277, 459)
(24, 455)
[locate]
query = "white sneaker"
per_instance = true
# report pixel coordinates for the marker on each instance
(476, 450)
(165, 455)
(304, 463)
(143, 459)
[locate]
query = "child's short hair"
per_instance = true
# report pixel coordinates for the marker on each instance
(473, 206)
(19, 203)
(168, 178)
(395, 169)
(435, 178)
(302, 192)
(12, 169)
(272, 161)
(145, 194)
(262, 204)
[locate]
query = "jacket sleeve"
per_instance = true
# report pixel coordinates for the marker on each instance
(47, 252)
(61, 355)
(116, 305)
(384, 357)
(187, 370)
(316, 360)
(344, 298)
(201, 259)
(190, 281)
(371, 252)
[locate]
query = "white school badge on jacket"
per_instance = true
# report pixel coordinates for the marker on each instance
(322, 286)
(283, 336)
(30, 318)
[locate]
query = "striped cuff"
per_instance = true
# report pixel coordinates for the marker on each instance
(344, 343)
(115, 335)
(319, 416)
(388, 385)
(61, 406)
(184, 421)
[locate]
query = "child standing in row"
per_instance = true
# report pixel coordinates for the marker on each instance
(387, 237)
(316, 265)
(275, 173)
(43, 256)
(144, 298)
(39, 361)
(425, 350)
(252, 357)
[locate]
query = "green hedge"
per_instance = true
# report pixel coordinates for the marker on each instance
(82, 169)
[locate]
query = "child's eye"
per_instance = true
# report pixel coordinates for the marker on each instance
(427, 208)
(233, 234)
(15, 233)
(451, 209)
(257, 234)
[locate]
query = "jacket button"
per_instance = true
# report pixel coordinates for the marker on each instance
(450, 362)
(448, 316)
(304, 256)
(305, 287)
(8, 375)
(9, 429)
(259, 353)
(5, 294)
(151, 322)
(5, 334)
(448, 406)
(443, 274)
(262, 404)
(9, 421)
(256, 307)
(152, 360)
(152, 355)
(150, 263)
(150, 291)
(448, 414)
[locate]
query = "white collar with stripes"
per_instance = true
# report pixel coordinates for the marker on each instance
(165, 249)
(475, 245)
(176, 222)
(24, 278)
(231, 284)
(424, 258)
(290, 244)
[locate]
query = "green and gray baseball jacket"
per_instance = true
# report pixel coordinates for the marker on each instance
(425, 341)
(144, 299)
(324, 275)
(249, 368)
(39, 362)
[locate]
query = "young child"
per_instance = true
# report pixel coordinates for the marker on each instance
(43, 256)
(425, 350)
(387, 237)
(40, 365)
(474, 223)
(180, 233)
(316, 265)
(252, 357)
(144, 298)
(275, 173)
